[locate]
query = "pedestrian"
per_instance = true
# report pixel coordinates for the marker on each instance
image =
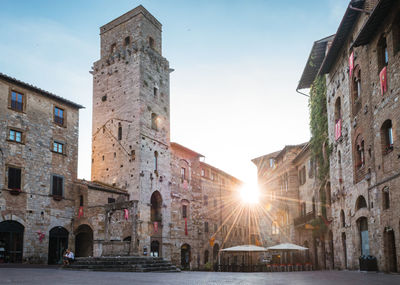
(69, 257)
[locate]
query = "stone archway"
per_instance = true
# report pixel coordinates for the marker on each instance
(12, 240)
(185, 256)
(84, 241)
(155, 248)
(58, 243)
(155, 208)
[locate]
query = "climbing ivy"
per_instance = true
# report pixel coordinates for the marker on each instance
(319, 142)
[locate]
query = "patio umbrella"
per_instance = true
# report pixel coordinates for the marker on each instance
(286, 247)
(245, 248)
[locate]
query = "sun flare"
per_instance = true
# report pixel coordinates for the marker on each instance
(249, 194)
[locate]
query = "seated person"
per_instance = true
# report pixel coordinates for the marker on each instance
(68, 257)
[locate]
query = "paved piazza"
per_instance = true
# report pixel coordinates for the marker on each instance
(58, 276)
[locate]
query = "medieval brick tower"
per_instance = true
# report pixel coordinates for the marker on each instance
(131, 125)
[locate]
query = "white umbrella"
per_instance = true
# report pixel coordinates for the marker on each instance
(287, 247)
(245, 248)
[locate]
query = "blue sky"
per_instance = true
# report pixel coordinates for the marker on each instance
(237, 65)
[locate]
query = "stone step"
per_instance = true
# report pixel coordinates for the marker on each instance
(123, 263)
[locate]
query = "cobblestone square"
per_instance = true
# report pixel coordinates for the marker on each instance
(35, 276)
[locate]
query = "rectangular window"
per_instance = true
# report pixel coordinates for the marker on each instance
(184, 211)
(15, 136)
(203, 172)
(57, 185)
(205, 200)
(206, 227)
(183, 173)
(58, 116)
(81, 200)
(14, 178)
(58, 147)
(111, 200)
(17, 101)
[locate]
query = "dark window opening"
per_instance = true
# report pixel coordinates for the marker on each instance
(155, 92)
(387, 137)
(113, 48)
(183, 173)
(184, 211)
(17, 101)
(14, 178)
(360, 156)
(386, 198)
(361, 203)
(383, 56)
(342, 219)
(127, 41)
(57, 186)
(154, 121)
(155, 161)
(151, 42)
(206, 227)
(111, 200)
(205, 200)
(81, 200)
(119, 131)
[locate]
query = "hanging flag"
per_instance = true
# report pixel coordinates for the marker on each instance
(383, 80)
(126, 214)
(186, 230)
(155, 226)
(351, 64)
(80, 212)
(212, 241)
(258, 243)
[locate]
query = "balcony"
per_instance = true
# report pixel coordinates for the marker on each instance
(301, 220)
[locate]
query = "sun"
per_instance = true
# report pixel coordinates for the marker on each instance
(249, 194)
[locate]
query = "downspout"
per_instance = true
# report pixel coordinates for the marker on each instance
(301, 93)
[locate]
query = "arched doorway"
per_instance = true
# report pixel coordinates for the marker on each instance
(390, 250)
(185, 256)
(12, 240)
(155, 248)
(58, 243)
(83, 241)
(215, 256)
(155, 209)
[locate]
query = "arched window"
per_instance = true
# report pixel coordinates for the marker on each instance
(385, 198)
(338, 109)
(342, 219)
(383, 56)
(361, 203)
(119, 131)
(387, 137)
(154, 121)
(360, 156)
(151, 42)
(156, 204)
(155, 161)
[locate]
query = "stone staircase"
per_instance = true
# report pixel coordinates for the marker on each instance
(123, 264)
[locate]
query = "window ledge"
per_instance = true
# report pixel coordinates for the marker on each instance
(15, 192)
(57, 197)
(11, 141)
(59, 153)
(18, 111)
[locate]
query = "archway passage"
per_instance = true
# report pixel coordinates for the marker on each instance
(84, 241)
(185, 256)
(12, 240)
(155, 248)
(156, 203)
(390, 251)
(58, 243)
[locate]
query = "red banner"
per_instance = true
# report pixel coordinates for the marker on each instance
(351, 64)
(155, 227)
(126, 214)
(186, 230)
(80, 212)
(383, 80)
(338, 129)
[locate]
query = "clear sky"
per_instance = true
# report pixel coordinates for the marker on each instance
(237, 65)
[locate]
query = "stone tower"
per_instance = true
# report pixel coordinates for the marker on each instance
(131, 123)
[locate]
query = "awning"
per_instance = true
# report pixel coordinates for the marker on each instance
(287, 247)
(245, 248)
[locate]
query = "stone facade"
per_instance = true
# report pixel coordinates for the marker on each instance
(363, 132)
(30, 210)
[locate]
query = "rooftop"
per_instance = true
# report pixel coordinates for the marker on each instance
(35, 89)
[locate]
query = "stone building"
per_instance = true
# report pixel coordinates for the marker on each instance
(38, 167)
(294, 200)
(361, 68)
